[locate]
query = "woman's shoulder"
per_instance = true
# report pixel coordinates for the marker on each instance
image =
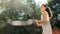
(45, 12)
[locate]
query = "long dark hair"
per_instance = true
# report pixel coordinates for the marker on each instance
(48, 10)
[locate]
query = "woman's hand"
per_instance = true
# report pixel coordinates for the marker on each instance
(38, 22)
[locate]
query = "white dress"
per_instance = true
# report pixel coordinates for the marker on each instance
(46, 26)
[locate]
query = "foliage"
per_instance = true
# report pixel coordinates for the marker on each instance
(20, 12)
(37, 13)
(23, 11)
(55, 6)
(2, 19)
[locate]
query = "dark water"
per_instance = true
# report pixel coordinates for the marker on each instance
(32, 29)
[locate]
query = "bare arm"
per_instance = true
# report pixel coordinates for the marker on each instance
(44, 18)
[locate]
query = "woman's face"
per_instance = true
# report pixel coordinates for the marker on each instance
(43, 8)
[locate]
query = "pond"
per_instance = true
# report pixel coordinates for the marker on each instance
(20, 10)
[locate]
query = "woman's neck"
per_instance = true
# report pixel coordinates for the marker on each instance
(43, 11)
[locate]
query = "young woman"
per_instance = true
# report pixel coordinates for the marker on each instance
(45, 19)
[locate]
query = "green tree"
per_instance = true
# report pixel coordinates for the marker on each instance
(55, 7)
